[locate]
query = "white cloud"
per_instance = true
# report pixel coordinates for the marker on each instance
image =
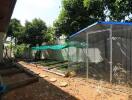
(47, 10)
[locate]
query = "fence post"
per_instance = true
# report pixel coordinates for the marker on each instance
(111, 69)
(87, 62)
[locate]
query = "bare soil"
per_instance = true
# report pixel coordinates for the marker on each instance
(77, 89)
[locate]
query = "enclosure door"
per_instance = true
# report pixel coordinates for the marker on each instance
(98, 55)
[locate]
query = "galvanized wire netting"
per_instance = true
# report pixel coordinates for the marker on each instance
(107, 54)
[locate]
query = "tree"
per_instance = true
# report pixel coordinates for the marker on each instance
(75, 16)
(49, 36)
(115, 10)
(120, 10)
(14, 29)
(35, 32)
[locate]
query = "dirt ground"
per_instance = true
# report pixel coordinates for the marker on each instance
(77, 88)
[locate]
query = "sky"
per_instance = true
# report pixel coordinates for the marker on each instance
(47, 10)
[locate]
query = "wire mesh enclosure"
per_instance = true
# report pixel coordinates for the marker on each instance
(103, 51)
(77, 56)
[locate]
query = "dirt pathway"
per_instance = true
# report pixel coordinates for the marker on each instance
(77, 88)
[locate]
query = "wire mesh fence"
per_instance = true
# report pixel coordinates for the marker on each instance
(107, 54)
(122, 56)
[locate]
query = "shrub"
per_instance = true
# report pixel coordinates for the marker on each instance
(19, 50)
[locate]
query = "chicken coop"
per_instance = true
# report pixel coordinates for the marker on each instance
(103, 50)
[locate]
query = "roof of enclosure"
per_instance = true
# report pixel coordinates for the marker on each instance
(100, 30)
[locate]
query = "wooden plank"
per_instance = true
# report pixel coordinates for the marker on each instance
(60, 74)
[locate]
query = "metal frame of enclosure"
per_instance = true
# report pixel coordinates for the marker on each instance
(107, 50)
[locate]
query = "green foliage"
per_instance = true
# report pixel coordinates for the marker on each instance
(19, 50)
(77, 14)
(119, 9)
(86, 3)
(35, 32)
(113, 10)
(49, 36)
(15, 29)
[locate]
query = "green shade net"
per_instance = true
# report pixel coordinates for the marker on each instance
(77, 44)
(60, 46)
(52, 47)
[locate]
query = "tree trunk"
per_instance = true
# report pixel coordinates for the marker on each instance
(38, 54)
(11, 48)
